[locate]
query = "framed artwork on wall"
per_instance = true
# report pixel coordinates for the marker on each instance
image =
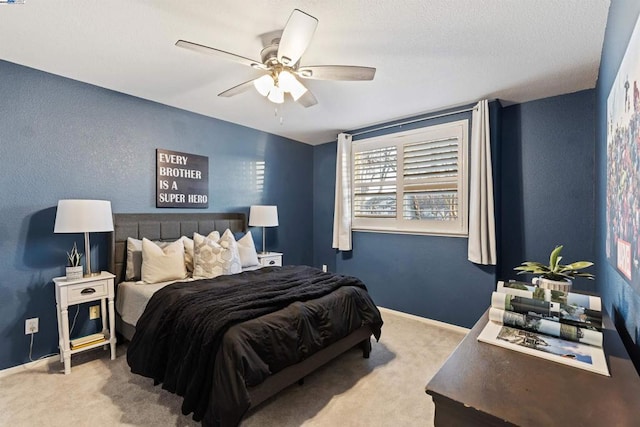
(623, 165)
(182, 180)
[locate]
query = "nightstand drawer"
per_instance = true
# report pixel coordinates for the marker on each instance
(271, 261)
(86, 291)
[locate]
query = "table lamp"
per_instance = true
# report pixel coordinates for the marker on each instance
(84, 216)
(263, 216)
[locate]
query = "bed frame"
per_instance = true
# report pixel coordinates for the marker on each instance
(168, 227)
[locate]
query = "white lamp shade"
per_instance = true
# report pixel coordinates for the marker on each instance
(263, 216)
(289, 83)
(264, 84)
(276, 95)
(83, 216)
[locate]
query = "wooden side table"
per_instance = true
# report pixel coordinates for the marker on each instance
(270, 259)
(486, 385)
(71, 292)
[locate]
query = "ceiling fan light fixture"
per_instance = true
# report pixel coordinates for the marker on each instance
(280, 63)
(264, 84)
(276, 95)
(289, 83)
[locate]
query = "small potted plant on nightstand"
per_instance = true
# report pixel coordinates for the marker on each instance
(74, 269)
(555, 276)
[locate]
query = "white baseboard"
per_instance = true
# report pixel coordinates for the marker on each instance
(432, 322)
(29, 365)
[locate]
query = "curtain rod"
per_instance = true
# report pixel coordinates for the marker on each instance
(450, 113)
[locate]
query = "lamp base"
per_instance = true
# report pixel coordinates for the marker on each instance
(87, 249)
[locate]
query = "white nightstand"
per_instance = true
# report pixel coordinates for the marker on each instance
(87, 289)
(270, 259)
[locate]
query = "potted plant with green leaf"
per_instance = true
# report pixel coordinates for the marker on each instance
(555, 276)
(74, 268)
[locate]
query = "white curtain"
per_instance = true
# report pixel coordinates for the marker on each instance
(482, 229)
(342, 212)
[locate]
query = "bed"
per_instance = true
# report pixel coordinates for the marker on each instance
(253, 358)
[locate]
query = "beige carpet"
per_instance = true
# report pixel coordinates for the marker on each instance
(385, 390)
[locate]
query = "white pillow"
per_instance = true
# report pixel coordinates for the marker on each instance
(247, 250)
(134, 256)
(162, 264)
(214, 257)
(214, 235)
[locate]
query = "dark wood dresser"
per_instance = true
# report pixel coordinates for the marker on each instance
(485, 385)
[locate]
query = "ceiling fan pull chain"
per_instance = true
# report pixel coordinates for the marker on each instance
(280, 118)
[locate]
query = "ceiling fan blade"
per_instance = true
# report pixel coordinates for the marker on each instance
(296, 37)
(242, 87)
(220, 53)
(336, 72)
(307, 100)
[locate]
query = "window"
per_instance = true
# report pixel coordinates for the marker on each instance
(413, 181)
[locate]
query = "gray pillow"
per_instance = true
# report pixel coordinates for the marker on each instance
(134, 259)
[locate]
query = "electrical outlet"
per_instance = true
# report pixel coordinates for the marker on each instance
(31, 326)
(324, 267)
(94, 312)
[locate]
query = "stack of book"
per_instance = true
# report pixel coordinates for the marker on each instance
(558, 326)
(87, 341)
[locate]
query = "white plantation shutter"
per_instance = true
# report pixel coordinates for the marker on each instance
(430, 184)
(412, 181)
(374, 183)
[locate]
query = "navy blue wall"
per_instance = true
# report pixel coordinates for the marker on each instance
(621, 300)
(541, 199)
(548, 181)
(63, 139)
(324, 181)
(422, 275)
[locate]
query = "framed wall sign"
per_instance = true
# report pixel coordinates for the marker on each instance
(182, 180)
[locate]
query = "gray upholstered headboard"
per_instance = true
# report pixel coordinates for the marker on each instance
(165, 227)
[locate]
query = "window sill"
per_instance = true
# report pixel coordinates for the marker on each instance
(413, 232)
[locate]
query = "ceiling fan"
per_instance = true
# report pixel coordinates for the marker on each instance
(280, 62)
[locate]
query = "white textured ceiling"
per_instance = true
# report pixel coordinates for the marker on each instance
(429, 54)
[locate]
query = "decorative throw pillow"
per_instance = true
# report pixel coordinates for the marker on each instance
(214, 257)
(134, 259)
(247, 251)
(214, 235)
(188, 253)
(134, 256)
(162, 264)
